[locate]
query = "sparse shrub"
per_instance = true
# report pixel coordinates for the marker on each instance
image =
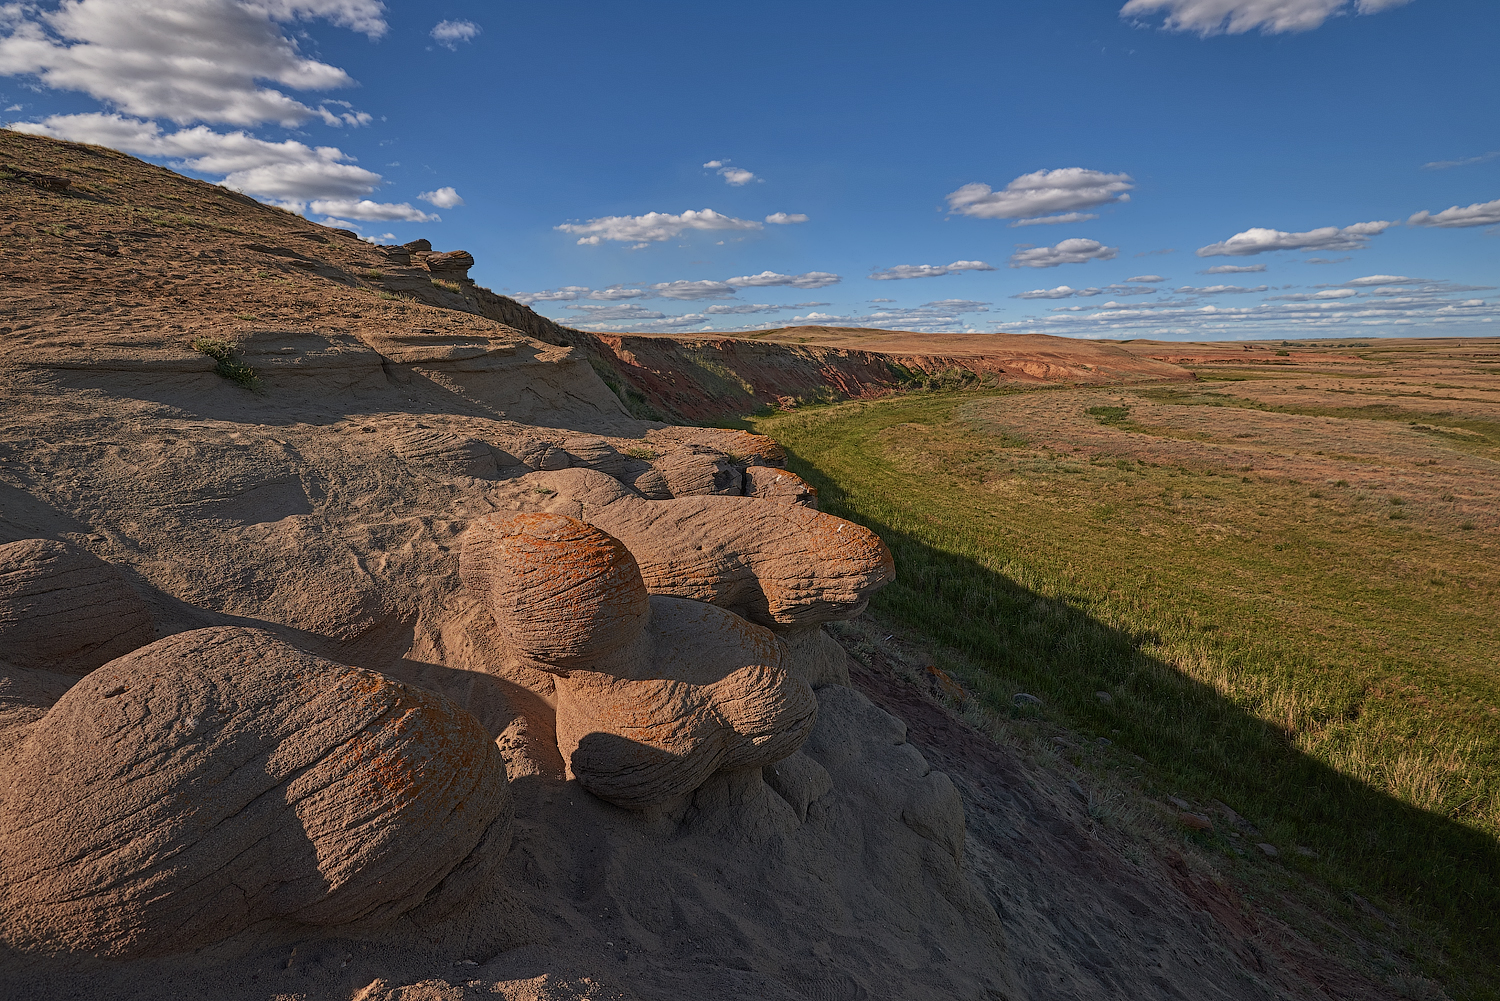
(1398, 501)
(1341, 483)
(1398, 515)
(1467, 526)
(640, 453)
(227, 365)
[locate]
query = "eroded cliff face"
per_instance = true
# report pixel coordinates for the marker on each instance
(324, 742)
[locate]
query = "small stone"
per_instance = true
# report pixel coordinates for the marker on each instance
(1308, 852)
(1104, 697)
(1077, 790)
(1105, 742)
(1195, 820)
(1268, 849)
(1023, 699)
(1181, 804)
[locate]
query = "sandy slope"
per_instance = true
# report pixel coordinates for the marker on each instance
(326, 506)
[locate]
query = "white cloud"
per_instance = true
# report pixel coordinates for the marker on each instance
(735, 177)
(449, 33)
(693, 290)
(565, 294)
(1478, 214)
(1233, 269)
(1466, 161)
(443, 198)
(372, 211)
(1041, 193)
(1076, 251)
(1383, 280)
(1327, 260)
(1052, 220)
(1235, 17)
(619, 293)
(745, 307)
(783, 218)
(183, 60)
(1148, 279)
(1061, 292)
(1331, 293)
(957, 306)
(651, 227)
(284, 170)
(628, 311)
(1221, 290)
(928, 270)
(1260, 241)
(810, 279)
(1067, 292)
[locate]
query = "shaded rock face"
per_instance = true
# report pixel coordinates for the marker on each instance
(221, 777)
(64, 609)
(653, 694)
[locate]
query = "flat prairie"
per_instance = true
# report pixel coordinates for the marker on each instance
(1275, 589)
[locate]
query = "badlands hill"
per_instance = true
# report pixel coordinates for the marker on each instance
(357, 641)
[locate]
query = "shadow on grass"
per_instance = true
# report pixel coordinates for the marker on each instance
(1367, 843)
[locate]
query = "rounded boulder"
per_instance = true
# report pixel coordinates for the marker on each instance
(222, 777)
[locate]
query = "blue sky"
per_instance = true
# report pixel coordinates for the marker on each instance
(1077, 167)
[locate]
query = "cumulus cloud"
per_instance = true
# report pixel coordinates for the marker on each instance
(371, 211)
(443, 198)
(1041, 193)
(693, 290)
(653, 227)
(287, 170)
(1067, 292)
(1233, 269)
(1235, 17)
(1465, 162)
(810, 279)
(1478, 214)
(1221, 290)
(619, 293)
(1370, 280)
(735, 177)
(449, 33)
(1076, 251)
(628, 311)
(1061, 292)
(184, 60)
(746, 307)
(1261, 241)
(785, 218)
(1148, 279)
(928, 270)
(1331, 293)
(957, 306)
(1052, 220)
(565, 294)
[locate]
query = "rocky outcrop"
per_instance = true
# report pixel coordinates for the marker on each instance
(64, 609)
(653, 694)
(452, 265)
(221, 777)
(780, 565)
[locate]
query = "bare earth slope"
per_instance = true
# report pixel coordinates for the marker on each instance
(325, 506)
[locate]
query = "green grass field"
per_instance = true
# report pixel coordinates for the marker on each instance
(1321, 658)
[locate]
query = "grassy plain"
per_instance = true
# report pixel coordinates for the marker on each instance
(1276, 589)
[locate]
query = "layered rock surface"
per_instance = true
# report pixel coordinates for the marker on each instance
(221, 777)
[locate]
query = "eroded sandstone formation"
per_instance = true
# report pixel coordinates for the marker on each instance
(63, 609)
(221, 777)
(654, 694)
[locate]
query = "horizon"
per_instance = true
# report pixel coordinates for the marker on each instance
(1154, 169)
